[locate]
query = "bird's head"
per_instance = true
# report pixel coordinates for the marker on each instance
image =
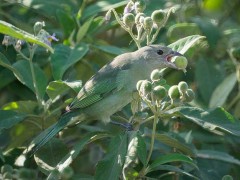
(158, 56)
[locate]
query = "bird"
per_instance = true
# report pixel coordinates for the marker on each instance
(110, 89)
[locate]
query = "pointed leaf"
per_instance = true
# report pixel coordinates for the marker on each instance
(111, 166)
(211, 120)
(25, 77)
(64, 57)
(17, 33)
(168, 158)
(84, 29)
(217, 155)
(182, 45)
(174, 169)
(69, 157)
(222, 91)
(10, 118)
(142, 150)
(59, 88)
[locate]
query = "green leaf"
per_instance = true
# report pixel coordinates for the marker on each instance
(101, 6)
(217, 155)
(50, 154)
(174, 169)
(131, 150)
(211, 120)
(5, 63)
(208, 77)
(165, 139)
(27, 107)
(6, 77)
(111, 166)
(23, 68)
(64, 57)
(142, 150)
(69, 157)
(59, 88)
(168, 158)
(84, 29)
(1, 156)
(10, 118)
(17, 33)
(181, 30)
(211, 31)
(182, 45)
(66, 21)
(111, 49)
(222, 91)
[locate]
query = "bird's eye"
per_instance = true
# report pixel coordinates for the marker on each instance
(160, 52)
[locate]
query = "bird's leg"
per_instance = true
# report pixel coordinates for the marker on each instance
(127, 126)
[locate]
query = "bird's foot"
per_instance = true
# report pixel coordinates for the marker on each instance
(127, 126)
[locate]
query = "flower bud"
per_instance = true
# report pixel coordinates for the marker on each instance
(181, 62)
(182, 86)
(156, 75)
(38, 26)
(140, 6)
(128, 20)
(159, 92)
(158, 16)
(173, 92)
(138, 85)
(129, 7)
(146, 87)
(108, 15)
(190, 95)
(138, 18)
(8, 40)
(148, 23)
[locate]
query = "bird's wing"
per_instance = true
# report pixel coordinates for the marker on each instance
(97, 88)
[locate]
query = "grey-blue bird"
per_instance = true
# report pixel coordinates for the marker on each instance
(110, 89)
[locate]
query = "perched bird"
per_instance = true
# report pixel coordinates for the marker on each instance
(110, 89)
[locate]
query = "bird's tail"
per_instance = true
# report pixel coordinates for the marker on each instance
(50, 132)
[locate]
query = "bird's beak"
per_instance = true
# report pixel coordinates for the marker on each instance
(169, 58)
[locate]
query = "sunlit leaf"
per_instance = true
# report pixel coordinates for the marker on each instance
(17, 33)
(27, 107)
(64, 57)
(182, 45)
(59, 88)
(223, 90)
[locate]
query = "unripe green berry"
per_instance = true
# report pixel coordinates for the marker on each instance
(173, 92)
(147, 23)
(190, 95)
(38, 26)
(138, 17)
(159, 92)
(138, 85)
(128, 20)
(140, 6)
(156, 75)
(158, 16)
(181, 62)
(182, 86)
(6, 168)
(146, 87)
